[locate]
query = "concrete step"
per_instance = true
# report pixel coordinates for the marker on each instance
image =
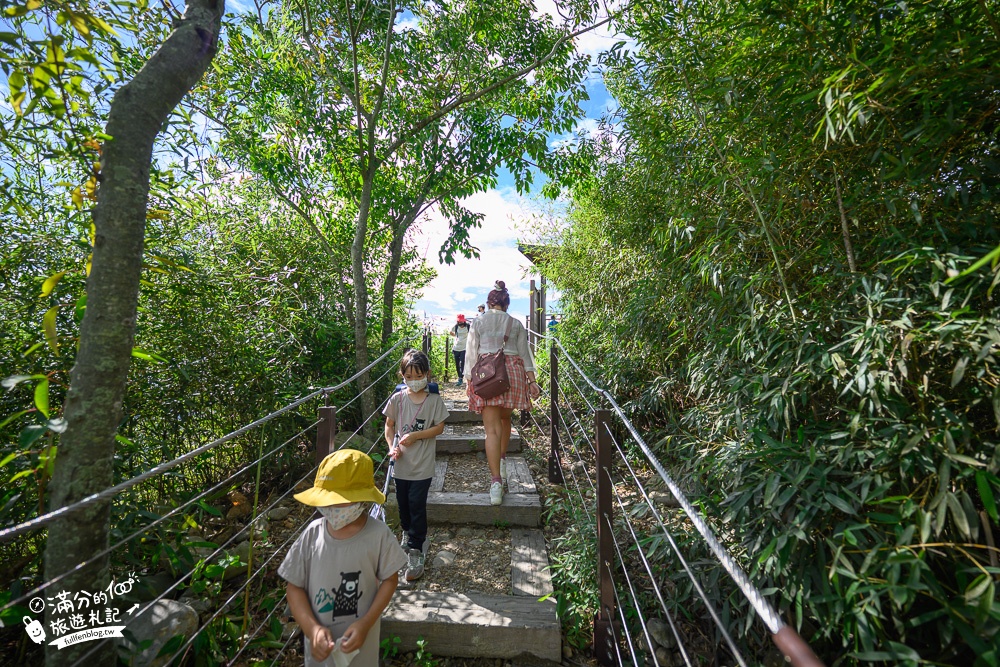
(470, 437)
(475, 626)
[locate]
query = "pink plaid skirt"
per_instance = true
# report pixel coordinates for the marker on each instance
(515, 398)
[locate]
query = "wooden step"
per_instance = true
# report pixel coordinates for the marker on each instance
(517, 509)
(470, 437)
(529, 563)
(463, 417)
(475, 509)
(474, 626)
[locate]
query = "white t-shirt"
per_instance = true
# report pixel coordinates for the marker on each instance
(461, 336)
(417, 459)
(341, 578)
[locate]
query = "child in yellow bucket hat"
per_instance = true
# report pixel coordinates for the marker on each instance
(343, 569)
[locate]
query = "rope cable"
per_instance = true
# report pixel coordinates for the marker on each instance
(218, 549)
(687, 568)
(757, 600)
(11, 532)
(656, 585)
(91, 560)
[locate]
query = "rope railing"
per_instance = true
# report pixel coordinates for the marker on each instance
(11, 532)
(93, 559)
(794, 648)
(7, 534)
(325, 432)
(261, 569)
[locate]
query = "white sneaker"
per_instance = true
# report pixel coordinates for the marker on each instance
(496, 493)
(503, 469)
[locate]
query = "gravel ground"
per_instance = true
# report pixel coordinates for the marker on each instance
(467, 472)
(482, 561)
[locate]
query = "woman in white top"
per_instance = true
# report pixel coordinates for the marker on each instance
(485, 337)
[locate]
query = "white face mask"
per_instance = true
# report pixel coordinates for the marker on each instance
(339, 516)
(416, 385)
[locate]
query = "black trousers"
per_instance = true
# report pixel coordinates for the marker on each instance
(459, 362)
(411, 496)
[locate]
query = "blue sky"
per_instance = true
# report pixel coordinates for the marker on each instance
(460, 287)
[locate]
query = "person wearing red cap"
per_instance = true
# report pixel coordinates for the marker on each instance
(461, 333)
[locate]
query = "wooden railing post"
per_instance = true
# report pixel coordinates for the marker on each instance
(555, 467)
(326, 432)
(604, 636)
(797, 652)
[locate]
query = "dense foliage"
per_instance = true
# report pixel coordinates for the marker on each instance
(775, 263)
(238, 312)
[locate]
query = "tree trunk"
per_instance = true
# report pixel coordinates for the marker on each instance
(85, 462)
(361, 299)
(395, 256)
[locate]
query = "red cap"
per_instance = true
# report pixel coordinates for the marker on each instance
(461, 318)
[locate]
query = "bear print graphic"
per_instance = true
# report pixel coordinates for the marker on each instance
(348, 595)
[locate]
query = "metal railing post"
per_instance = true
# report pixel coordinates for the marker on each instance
(555, 467)
(447, 345)
(326, 432)
(604, 636)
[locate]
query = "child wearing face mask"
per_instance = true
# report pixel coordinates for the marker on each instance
(343, 569)
(417, 417)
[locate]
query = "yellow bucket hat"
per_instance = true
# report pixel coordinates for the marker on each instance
(345, 476)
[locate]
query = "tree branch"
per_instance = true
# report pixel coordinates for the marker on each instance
(472, 97)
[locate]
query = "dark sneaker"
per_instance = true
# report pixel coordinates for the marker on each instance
(414, 565)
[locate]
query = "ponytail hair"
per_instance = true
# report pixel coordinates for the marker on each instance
(499, 296)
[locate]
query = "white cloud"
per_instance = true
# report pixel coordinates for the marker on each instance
(460, 287)
(593, 42)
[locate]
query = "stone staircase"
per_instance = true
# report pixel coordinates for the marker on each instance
(519, 625)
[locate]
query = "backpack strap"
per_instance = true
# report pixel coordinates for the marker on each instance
(506, 333)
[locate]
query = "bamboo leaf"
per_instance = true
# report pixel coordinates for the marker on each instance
(986, 495)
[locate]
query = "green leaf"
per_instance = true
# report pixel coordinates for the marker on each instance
(958, 514)
(171, 646)
(977, 588)
(14, 416)
(23, 473)
(986, 495)
(49, 327)
(30, 434)
(208, 508)
(51, 282)
(213, 571)
(959, 371)
(147, 356)
(839, 503)
(42, 397)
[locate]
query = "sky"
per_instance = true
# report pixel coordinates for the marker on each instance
(460, 287)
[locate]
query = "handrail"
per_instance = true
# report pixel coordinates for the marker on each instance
(147, 606)
(11, 532)
(781, 632)
(330, 390)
